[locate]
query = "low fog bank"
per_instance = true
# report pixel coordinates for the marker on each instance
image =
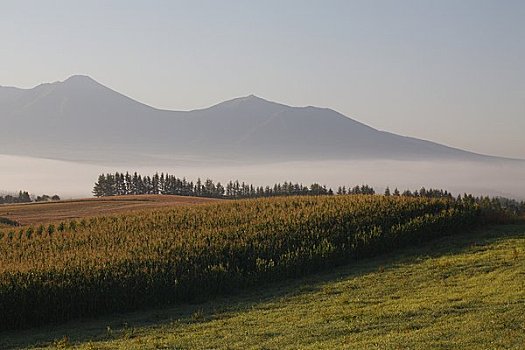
(74, 180)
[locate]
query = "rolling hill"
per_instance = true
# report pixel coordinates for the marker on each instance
(80, 119)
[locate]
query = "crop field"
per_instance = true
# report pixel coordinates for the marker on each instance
(82, 268)
(465, 292)
(38, 213)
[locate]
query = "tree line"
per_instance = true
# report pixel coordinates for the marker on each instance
(25, 197)
(119, 184)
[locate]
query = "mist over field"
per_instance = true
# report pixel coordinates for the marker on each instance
(74, 180)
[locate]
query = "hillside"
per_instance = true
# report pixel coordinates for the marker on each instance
(466, 292)
(80, 119)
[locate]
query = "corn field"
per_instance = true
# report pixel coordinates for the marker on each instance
(99, 265)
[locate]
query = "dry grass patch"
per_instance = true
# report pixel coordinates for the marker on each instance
(42, 213)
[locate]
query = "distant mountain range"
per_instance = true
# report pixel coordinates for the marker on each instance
(80, 119)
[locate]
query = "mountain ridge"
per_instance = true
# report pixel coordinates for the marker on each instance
(76, 117)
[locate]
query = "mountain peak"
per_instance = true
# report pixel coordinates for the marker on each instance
(249, 98)
(79, 77)
(80, 80)
(253, 97)
(250, 101)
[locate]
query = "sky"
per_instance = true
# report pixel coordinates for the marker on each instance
(448, 71)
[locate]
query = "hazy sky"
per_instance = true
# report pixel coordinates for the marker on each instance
(447, 71)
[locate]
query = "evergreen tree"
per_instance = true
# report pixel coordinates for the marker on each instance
(98, 189)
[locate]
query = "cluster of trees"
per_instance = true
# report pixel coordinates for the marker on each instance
(423, 192)
(495, 203)
(25, 197)
(363, 189)
(507, 205)
(46, 198)
(119, 184)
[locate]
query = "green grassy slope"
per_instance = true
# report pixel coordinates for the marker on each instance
(464, 292)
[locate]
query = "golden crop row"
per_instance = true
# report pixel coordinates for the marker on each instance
(123, 262)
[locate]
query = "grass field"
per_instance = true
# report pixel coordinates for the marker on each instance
(466, 292)
(39, 213)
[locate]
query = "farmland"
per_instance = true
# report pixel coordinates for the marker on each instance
(83, 268)
(466, 292)
(39, 213)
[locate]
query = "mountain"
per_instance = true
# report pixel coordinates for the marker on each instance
(80, 119)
